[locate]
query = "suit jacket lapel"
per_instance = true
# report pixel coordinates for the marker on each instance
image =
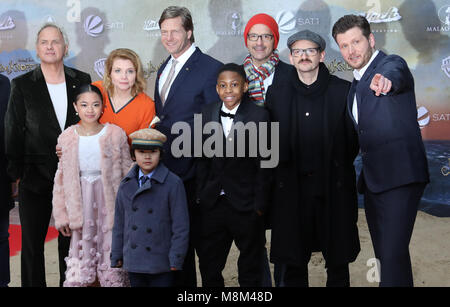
(184, 72)
(350, 99)
(364, 83)
(72, 85)
(369, 71)
(157, 97)
(45, 103)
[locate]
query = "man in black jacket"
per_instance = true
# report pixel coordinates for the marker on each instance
(6, 202)
(39, 109)
(266, 74)
(314, 201)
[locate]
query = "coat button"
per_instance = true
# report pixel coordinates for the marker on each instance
(133, 246)
(148, 249)
(150, 211)
(134, 209)
(134, 227)
(149, 230)
(281, 184)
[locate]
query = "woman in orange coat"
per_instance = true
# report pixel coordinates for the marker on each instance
(123, 85)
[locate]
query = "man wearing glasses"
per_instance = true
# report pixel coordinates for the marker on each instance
(266, 73)
(315, 204)
(262, 66)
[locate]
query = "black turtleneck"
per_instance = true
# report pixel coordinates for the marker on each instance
(309, 108)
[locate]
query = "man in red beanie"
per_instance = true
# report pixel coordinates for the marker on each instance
(266, 73)
(263, 66)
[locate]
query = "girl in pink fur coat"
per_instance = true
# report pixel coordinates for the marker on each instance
(94, 160)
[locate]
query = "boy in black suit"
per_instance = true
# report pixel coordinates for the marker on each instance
(232, 187)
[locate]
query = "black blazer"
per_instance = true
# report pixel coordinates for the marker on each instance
(246, 184)
(391, 144)
(32, 128)
(6, 202)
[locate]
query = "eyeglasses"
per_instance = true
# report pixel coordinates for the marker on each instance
(264, 37)
(308, 52)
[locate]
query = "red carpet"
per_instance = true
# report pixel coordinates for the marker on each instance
(15, 238)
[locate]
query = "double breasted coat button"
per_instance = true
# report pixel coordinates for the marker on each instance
(149, 230)
(134, 209)
(148, 249)
(150, 211)
(134, 227)
(133, 246)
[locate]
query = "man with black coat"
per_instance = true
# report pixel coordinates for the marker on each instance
(314, 206)
(39, 109)
(6, 202)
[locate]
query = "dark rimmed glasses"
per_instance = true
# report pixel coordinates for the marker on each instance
(307, 51)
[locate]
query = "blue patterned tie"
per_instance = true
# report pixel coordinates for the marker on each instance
(143, 180)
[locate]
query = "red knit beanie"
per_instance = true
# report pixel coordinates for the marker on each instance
(265, 20)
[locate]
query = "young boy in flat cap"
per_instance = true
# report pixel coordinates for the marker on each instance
(151, 223)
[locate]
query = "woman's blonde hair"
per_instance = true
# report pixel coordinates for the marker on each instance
(125, 54)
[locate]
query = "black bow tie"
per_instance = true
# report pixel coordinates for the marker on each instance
(225, 114)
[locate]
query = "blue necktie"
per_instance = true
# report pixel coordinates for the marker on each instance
(143, 180)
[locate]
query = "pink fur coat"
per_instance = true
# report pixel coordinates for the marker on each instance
(114, 165)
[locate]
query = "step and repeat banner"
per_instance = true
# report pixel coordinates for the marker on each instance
(418, 30)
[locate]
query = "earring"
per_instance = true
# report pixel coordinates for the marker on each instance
(76, 113)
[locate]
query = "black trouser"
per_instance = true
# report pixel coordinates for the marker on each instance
(35, 211)
(5, 277)
(391, 216)
(151, 280)
(313, 204)
(297, 276)
(221, 225)
(188, 276)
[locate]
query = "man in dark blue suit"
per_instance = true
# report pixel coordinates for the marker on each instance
(394, 165)
(184, 84)
(6, 201)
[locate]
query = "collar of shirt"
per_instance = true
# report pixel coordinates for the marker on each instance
(227, 122)
(358, 74)
(182, 59)
(232, 111)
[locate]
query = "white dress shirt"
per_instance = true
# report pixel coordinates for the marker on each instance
(58, 95)
(181, 60)
(227, 122)
(358, 75)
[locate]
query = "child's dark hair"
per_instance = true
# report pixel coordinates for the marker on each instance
(235, 68)
(88, 88)
(133, 155)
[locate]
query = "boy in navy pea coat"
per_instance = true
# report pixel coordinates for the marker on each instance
(151, 223)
